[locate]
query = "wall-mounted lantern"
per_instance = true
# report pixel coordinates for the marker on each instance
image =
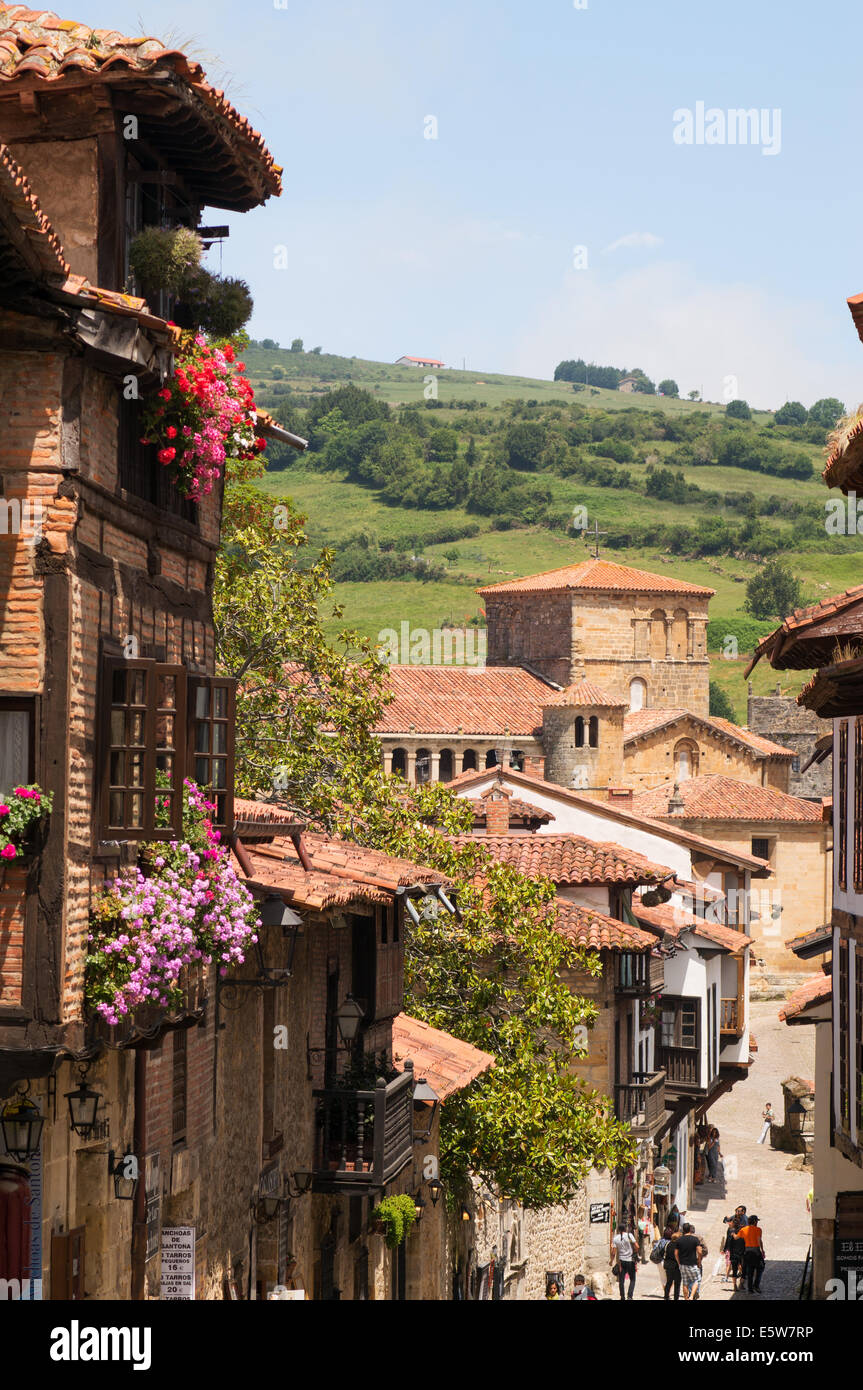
(21, 1122)
(426, 1102)
(349, 1017)
(124, 1171)
(435, 1187)
(83, 1104)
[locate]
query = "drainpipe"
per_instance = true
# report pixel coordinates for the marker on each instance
(139, 1220)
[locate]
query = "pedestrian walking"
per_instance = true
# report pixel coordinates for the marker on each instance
(734, 1244)
(625, 1254)
(753, 1254)
(766, 1122)
(714, 1153)
(670, 1266)
(689, 1252)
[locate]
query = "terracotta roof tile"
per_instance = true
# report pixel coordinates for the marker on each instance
(639, 723)
(469, 699)
(569, 858)
(834, 615)
(36, 44)
(725, 798)
(23, 205)
(584, 693)
(446, 1063)
(341, 872)
(518, 811)
(816, 990)
(671, 919)
(599, 932)
(601, 575)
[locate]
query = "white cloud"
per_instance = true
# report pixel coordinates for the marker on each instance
(668, 321)
(632, 240)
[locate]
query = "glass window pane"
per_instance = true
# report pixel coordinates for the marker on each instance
(115, 808)
(165, 763)
(136, 770)
(165, 731)
(118, 686)
(220, 738)
(138, 688)
(167, 696)
(14, 749)
(136, 730)
(118, 727)
(202, 772)
(118, 769)
(219, 772)
(202, 701)
(220, 702)
(202, 738)
(136, 809)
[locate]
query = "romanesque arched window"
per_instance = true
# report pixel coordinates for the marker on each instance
(447, 765)
(423, 766)
(468, 761)
(657, 635)
(679, 628)
(637, 694)
(685, 760)
(400, 762)
(593, 731)
(579, 732)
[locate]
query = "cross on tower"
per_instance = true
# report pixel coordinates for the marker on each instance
(594, 536)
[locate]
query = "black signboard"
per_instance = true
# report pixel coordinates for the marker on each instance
(600, 1213)
(153, 1190)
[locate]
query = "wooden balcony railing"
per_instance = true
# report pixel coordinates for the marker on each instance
(642, 1101)
(363, 1139)
(638, 972)
(731, 1016)
(682, 1066)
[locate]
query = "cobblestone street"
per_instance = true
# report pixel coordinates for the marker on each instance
(755, 1174)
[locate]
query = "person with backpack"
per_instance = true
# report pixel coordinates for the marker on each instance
(689, 1253)
(734, 1245)
(671, 1268)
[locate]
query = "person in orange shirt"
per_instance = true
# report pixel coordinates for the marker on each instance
(753, 1254)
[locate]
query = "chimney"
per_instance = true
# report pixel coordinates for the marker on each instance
(620, 796)
(497, 811)
(676, 803)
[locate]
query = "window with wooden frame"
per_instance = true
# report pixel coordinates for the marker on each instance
(17, 743)
(156, 731)
(842, 809)
(679, 1023)
(844, 1108)
(138, 469)
(389, 971)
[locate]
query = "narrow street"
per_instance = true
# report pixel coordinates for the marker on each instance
(755, 1174)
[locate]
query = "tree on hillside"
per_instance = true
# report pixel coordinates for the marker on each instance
(773, 592)
(826, 412)
(669, 387)
(791, 413)
(693, 396)
(494, 977)
(297, 345)
(720, 705)
(524, 444)
(738, 410)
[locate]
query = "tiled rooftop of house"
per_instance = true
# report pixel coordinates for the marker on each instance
(816, 990)
(671, 919)
(341, 872)
(601, 575)
(569, 858)
(488, 700)
(639, 723)
(596, 930)
(446, 1063)
(519, 811)
(37, 47)
(724, 799)
(832, 617)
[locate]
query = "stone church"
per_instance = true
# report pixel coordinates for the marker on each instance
(597, 677)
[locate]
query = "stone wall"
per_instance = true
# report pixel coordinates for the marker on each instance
(584, 768)
(779, 717)
(651, 760)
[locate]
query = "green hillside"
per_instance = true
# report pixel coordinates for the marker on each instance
(424, 501)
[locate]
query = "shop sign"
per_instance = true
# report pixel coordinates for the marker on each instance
(178, 1262)
(600, 1213)
(154, 1204)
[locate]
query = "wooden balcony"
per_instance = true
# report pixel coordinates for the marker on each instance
(731, 1015)
(682, 1068)
(363, 1139)
(638, 973)
(641, 1102)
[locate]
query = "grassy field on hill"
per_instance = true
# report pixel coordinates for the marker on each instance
(366, 510)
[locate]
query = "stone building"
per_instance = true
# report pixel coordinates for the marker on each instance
(781, 719)
(642, 637)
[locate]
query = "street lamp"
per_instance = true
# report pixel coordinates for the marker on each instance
(21, 1123)
(349, 1016)
(424, 1097)
(124, 1171)
(435, 1187)
(420, 1206)
(302, 1182)
(83, 1104)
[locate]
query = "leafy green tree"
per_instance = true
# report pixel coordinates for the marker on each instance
(791, 413)
(297, 345)
(693, 396)
(773, 592)
(500, 975)
(471, 452)
(827, 412)
(524, 444)
(720, 705)
(442, 446)
(738, 410)
(669, 387)
(316, 351)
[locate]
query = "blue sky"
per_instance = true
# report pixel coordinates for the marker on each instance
(555, 129)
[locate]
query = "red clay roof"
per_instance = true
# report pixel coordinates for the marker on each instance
(639, 723)
(469, 699)
(40, 238)
(518, 810)
(599, 932)
(780, 643)
(601, 575)
(671, 919)
(816, 990)
(37, 47)
(342, 873)
(724, 798)
(569, 858)
(583, 693)
(446, 1063)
